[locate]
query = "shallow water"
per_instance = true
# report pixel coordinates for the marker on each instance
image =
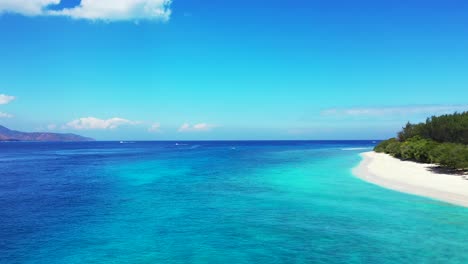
(213, 202)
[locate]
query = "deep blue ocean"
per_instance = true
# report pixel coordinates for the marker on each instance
(213, 202)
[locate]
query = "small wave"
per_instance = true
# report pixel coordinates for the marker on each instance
(360, 148)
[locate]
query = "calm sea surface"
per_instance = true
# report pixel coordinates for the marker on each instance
(213, 202)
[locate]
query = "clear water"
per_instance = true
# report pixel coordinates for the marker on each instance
(213, 202)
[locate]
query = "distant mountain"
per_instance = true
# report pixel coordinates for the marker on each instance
(12, 135)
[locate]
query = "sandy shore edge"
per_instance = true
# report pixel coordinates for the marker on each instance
(411, 177)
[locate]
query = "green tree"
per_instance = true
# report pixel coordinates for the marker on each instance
(441, 140)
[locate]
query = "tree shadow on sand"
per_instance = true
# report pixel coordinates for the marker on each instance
(450, 171)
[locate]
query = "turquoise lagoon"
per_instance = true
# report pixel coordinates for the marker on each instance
(213, 202)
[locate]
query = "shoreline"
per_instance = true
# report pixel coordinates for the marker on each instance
(411, 177)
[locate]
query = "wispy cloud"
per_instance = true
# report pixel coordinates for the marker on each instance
(26, 7)
(108, 10)
(200, 127)
(155, 128)
(92, 123)
(5, 99)
(399, 110)
(5, 115)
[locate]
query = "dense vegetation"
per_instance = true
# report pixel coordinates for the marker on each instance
(441, 140)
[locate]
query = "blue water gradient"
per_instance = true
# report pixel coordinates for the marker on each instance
(213, 202)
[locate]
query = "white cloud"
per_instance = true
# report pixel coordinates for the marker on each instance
(88, 123)
(155, 128)
(52, 127)
(5, 115)
(109, 10)
(186, 127)
(402, 110)
(5, 99)
(26, 7)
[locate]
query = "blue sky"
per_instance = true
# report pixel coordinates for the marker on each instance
(158, 70)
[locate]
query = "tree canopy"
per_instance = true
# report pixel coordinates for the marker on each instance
(441, 140)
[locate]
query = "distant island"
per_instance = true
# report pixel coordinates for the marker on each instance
(13, 135)
(428, 159)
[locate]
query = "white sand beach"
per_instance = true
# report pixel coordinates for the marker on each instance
(411, 177)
